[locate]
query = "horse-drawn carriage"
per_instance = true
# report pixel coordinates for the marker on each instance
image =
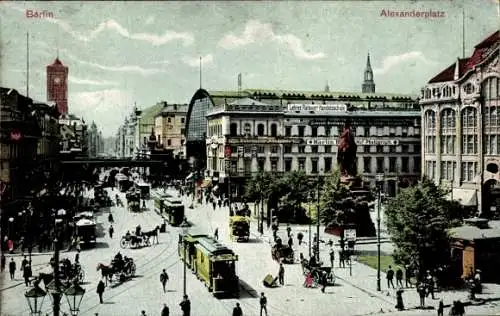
(121, 268)
(313, 274)
(140, 239)
(133, 201)
(282, 253)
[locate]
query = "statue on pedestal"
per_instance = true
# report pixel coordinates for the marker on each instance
(346, 151)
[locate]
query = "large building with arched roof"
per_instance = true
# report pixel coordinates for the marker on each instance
(461, 127)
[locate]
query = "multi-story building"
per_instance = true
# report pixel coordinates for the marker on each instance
(50, 138)
(57, 85)
(282, 131)
(95, 141)
(169, 128)
(73, 137)
(461, 127)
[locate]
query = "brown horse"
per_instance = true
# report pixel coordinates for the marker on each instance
(152, 233)
(107, 272)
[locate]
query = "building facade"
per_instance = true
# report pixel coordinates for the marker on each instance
(461, 128)
(169, 128)
(48, 148)
(95, 141)
(283, 131)
(74, 137)
(57, 85)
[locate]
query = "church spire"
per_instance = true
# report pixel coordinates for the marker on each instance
(327, 87)
(368, 85)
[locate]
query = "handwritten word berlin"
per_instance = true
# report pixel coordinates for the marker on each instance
(33, 14)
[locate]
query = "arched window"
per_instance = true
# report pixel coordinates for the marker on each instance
(260, 130)
(233, 129)
(469, 131)
(274, 130)
(448, 131)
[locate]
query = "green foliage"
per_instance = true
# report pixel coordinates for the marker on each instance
(417, 220)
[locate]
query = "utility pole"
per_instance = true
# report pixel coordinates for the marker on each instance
(57, 293)
(379, 182)
(317, 223)
(310, 195)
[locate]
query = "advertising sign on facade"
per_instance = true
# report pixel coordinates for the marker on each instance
(359, 141)
(317, 107)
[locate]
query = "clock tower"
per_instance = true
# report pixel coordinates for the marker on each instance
(57, 85)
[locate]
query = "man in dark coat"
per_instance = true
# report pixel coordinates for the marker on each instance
(185, 306)
(100, 290)
(27, 274)
(281, 274)
(263, 303)
(399, 277)
(237, 310)
(164, 279)
(12, 268)
(165, 311)
(111, 231)
(390, 277)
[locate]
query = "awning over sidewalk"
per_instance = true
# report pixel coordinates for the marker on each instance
(466, 197)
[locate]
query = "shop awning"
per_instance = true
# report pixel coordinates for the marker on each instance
(466, 197)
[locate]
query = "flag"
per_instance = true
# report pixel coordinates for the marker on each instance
(239, 80)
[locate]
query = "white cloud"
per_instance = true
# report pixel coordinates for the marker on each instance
(150, 20)
(107, 108)
(91, 82)
(255, 31)
(128, 68)
(195, 62)
(391, 62)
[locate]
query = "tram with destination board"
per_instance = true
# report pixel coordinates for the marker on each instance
(215, 266)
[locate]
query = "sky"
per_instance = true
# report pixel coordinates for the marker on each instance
(121, 53)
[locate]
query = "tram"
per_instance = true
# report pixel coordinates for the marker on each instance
(239, 228)
(187, 243)
(144, 189)
(215, 266)
(85, 225)
(174, 210)
(160, 201)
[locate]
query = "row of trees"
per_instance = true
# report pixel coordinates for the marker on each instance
(339, 204)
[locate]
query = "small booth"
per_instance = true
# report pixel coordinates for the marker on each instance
(476, 246)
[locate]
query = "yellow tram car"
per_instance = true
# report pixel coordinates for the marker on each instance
(239, 228)
(189, 241)
(174, 210)
(215, 265)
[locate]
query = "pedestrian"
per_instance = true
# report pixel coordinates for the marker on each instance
(216, 234)
(24, 263)
(185, 306)
(399, 277)
(440, 308)
(263, 303)
(100, 290)
(165, 311)
(237, 310)
(288, 230)
(390, 277)
(300, 236)
(407, 275)
(290, 241)
(12, 268)
(341, 259)
(281, 274)
(27, 274)
(2, 262)
(164, 279)
(430, 285)
(324, 281)
(332, 257)
(421, 294)
(111, 231)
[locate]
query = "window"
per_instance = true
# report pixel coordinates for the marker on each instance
(233, 129)
(275, 149)
(288, 131)
(491, 89)
(274, 130)
(261, 162)
(469, 144)
(302, 149)
(260, 149)
(328, 148)
(314, 131)
(469, 118)
(367, 164)
(448, 144)
(392, 164)
(366, 132)
(314, 165)
(430, 144)
(328, 164)
(314, 149)
(302, 163)
(380, 164)
(183, 120)
(448, 170)
(301, 131)
(431, 169)
(430, 120)
(405, 164)
(417, 148)
(469, 171)
(183, 131)
(288, 165)
(469, 88)
(380, 149)
(274, 164)
(248, 165)
(248, 129)
(287, 149)
(169, 120)
(260, 130)
(366, 148)
(327, 130)
(169, 142)
(416, 164)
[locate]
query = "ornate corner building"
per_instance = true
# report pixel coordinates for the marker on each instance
(461, 127)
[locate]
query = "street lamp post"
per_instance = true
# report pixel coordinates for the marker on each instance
(310, 221)
(379, 183)
(185, 230)
(317, 218)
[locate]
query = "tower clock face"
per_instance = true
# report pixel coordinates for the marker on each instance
(57, 80)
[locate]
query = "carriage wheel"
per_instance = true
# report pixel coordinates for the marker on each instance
(124, 243)
(132, 269)
(147, 242)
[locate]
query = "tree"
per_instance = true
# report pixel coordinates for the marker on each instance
(418, 219)
(342, 204)
(294, 189)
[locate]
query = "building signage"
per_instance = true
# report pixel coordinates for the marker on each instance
(264, 141)
(317, 107)
(359, 141)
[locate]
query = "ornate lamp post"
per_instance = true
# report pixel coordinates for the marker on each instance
(185, 231)
(35, 297)
(380, 182)
(74, 295)
(311, 198)
(317, 216)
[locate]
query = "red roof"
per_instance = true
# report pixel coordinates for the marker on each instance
(467, 63)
